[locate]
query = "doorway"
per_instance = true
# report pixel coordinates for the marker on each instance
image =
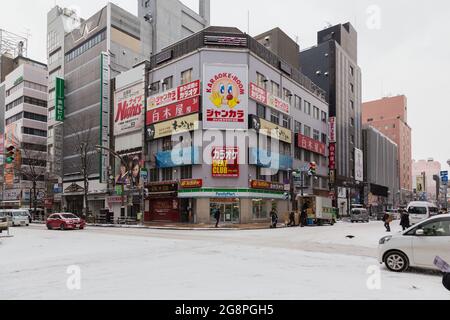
(229, 209)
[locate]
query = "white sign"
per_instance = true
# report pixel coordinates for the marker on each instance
(359, 165)
(129, 110)
(332, 129)
(225, 97)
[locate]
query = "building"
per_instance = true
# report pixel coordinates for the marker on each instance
(390, 116)
(90, 56)
(333, 66)
(381, 175)
(238, 153)
(25, 128)
(427, 169)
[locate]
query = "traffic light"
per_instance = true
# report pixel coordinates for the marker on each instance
(312, 169)
(10, 154)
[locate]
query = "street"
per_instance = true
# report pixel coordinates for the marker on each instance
(291, 263)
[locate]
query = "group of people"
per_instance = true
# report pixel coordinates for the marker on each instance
(404, 220)
(303, 217)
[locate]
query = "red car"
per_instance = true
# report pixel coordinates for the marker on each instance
(64, 221)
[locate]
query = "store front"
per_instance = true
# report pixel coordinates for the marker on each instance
(162, 203)
(230, 209)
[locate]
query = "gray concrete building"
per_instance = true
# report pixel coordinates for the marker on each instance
(381, 174)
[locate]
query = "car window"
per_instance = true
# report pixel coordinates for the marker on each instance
(69, 216)
(439, 228)
(417, 210)
(55, 216)
(434, 210)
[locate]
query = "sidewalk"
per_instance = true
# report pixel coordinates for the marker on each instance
(181, 226)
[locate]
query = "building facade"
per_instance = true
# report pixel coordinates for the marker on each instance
(390, 116)
(227, 122)
(426, 169)
(333, 65)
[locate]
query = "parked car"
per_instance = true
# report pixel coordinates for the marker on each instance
(359, 215)
(4, 224)
(16, 217)
(418, 246)
(64, 221)
(420, 210)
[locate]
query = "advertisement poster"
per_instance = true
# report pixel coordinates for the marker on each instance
(225, 162)
(172, 111)
(260, 95)
(12, 136)
(270, 129)
(129, 173)
(183, 92)
(168, 128)
(225, 97)
(359, 165)
(128, 110)
(312, 145)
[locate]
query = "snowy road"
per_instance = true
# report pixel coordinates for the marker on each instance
(293, 263)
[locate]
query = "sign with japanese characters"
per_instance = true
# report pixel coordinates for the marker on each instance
(332, 156)
(265, 185)
(176, 110)
(270, 129)
(332, 133)
(225, 162)
(260, 95)
(172, 96)
(59, 99)
(225, 97)
(359, 165)
(191, 183)
(306, 143)
(128, 109)
(172, 127)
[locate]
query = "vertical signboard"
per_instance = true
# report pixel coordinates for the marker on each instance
(359, 165)
(129, 110)
(420, 182)
(332, 129)
(59, 99)
(225, 97)
(104, 116)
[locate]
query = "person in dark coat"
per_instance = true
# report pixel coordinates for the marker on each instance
(274, 216)
(387, 219)
(404, 220)
(304, 215)
(291, 219)
(446, 281)
(217, 215)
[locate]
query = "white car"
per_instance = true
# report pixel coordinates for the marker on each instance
(420, 210)
(16, 217)
(418, 246)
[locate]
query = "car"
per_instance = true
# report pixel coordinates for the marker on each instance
(16, 217)
(421, 210)
(4, 224)
(359, 215)
(418, 246)
(65, 221)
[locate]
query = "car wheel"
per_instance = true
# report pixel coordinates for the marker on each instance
(396, 261)
(49, 227)
(61, 227)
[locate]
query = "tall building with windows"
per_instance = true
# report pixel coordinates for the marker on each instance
(333, 65)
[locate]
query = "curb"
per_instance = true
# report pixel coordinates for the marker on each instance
(176, 228)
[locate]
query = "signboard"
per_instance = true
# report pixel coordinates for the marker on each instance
(332, 156)
(359, 165)
(444, 177)
(172, 111)
(332, 133)
(306, 143)
(265, 185)
(270, 129)
(130, 175)
(225, 41)
(12, 195)
(128, 110)
(163, 187)
(225, 97)
(168, 128)
(183, 92)
(191, 183)
(104, 117)
(225, 162)
(332, 176)
(262, 96)
(420, 184)
(59, 99)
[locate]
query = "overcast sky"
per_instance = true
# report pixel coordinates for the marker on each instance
(404, 46)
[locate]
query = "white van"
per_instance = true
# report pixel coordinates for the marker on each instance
(420, 210)
(16, 217)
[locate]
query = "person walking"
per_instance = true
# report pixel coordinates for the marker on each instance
(217, 215)
(387, 219)
(304, 215)
(291, 219)
(404, 220)
(446, 281)
(274, 216)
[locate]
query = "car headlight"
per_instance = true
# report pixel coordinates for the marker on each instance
(385, 239)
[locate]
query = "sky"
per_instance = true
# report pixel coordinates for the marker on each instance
(404, 46)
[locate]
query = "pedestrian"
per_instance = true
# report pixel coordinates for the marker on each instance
(217, 215)
(291, 219)
(304, 215)
(387, 219)
(404, 220)
(446, 281)
(274, 217)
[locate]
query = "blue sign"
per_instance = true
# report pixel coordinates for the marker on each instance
(178, 158)
(261, 158)
(444, 177)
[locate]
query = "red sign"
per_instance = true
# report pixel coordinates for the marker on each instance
(264, 97)
(191, 183)
(258, 94)
(183, 92)
(265, 185)
(225, 162)
(172, 111)
(312, 145)
(332, 156)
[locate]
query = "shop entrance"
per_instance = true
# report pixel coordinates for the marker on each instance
(229, 209)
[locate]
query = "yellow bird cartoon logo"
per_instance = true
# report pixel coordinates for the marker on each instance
(225, 93)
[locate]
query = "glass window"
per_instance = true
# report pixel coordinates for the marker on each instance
(316, 135)
(316, 113)
(324, 138)
(297, 127)
(167, 84)
(167, 174)
(167, 144)
(260, 209)
(154, 176)
(286, 122)
(154, 88)
(275, 89)
(186, 172)
(298, 154)
(307, 155)
(307, 107)
(287, 95)
(307, 131)
(417, 210)
(275, 117)
(439, 228)
(259, 176)
(186, 76)
(298, 103)
(324, 116)
(275, 178)
(261, 111)
(261, 81)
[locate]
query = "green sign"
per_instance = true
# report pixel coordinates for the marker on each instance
(59, 100)
(19, 80)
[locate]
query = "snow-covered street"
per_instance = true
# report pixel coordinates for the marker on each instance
(291, 263)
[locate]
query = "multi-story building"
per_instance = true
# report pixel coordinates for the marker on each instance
(380, 171)
(333, 65)
(390, 116)
(25, 124)
(227, 122)
(426, 169)
(91, 55)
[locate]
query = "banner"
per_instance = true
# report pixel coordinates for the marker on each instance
(306, 143)
(359, 165)
(332, 156)
(59, 99)
(128, 110)
(265, 185)
(225, 97)
(186, 91)
(225, 162)
(270, 129)
(332, 133)
(168, 128)
(172, 111)
(260, 95)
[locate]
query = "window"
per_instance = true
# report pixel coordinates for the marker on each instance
(34, 162)
(307, 107)
(352, 71)
(287, 95)
(285, 148)
(34, 132)
(186, 172)
(436, 228)
(275, 89)
(297, 127)
(34, 116)
(87, 45)
(352, 105)
(167, 84)
(15, 88)
(324, 116)
(316, 135)
(186, 76)
(167, 144)
(154, 176)
(307, 131)
(275, 178)
(286, 122)
(50, 133)
(34, 147)
(298, 154)
(307, 155)
(352, 121)
(261, 111)
(52, 41)
(167, 174)
(316, 158)
(352, 88)
(275, 117)
(259, 176)
(259, 208)
(298, 103)
(261, 81)
(154, 88)
(370, 120)
(316, 113)
(14, 118)
(324, 138)
(55, 57)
